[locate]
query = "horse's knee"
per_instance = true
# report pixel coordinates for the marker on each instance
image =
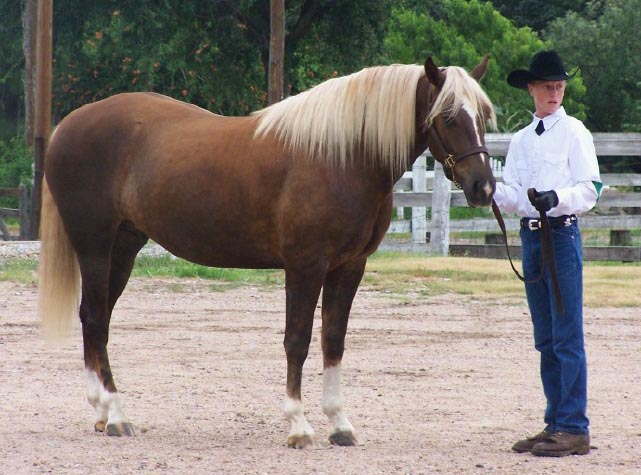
(296, 348)
(333, 347)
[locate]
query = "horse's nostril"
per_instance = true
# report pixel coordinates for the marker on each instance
(484, 188)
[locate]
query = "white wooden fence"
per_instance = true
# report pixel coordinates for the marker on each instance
(421, 189)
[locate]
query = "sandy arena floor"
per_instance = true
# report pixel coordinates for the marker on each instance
(438, 385)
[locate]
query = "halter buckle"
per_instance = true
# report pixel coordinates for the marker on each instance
(449, 161)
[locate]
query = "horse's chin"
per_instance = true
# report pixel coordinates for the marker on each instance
(484, 203)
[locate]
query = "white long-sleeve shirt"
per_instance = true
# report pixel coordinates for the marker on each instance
(562, 159)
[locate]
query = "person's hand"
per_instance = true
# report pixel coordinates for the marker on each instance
(543, 201)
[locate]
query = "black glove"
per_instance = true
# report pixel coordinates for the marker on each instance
(543, 201)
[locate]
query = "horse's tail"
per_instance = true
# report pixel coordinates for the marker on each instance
(59, 286)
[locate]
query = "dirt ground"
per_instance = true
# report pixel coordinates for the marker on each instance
(433, 385)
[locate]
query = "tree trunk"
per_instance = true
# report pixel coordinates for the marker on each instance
(276, 51)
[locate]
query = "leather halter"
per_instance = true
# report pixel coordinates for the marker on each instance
(451, 159)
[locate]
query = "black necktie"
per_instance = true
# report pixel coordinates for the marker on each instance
(539, 128)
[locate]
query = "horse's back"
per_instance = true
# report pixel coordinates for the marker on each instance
(134, 133)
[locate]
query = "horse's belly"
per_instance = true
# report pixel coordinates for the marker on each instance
(209, 227)
(217, 252)
(217, 242)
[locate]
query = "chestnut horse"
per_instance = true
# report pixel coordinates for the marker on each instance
(304, 185)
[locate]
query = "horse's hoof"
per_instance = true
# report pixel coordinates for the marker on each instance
(300, 441)
(344, 439)
(121, 429)
(100, 426)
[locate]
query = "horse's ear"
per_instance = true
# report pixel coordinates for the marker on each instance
(435, 75)
(479, 70)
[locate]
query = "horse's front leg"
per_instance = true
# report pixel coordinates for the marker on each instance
(302, 291)
(339, 290)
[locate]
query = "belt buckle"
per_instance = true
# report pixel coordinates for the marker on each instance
(534, 224)
(567, 222)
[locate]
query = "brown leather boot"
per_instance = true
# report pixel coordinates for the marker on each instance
(525, 445)
(561, 444)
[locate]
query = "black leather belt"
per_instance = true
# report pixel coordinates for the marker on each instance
(534, 224)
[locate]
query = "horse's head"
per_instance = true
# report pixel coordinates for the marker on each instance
(454, 125)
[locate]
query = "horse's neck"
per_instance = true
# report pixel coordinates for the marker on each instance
(420, 146)
(424, 103)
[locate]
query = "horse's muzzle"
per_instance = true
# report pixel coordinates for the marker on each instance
(479, 193)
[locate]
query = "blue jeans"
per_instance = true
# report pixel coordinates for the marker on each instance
(559, 338)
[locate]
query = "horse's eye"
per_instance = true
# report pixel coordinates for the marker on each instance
(450, 122)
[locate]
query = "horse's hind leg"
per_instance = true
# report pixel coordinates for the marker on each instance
(302, 291)
(339, 289)
(104, 277)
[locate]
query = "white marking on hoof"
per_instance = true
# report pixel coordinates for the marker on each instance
(301, 433)
(333, 401)
(107, 404)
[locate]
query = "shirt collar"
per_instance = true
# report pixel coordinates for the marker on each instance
(550, 120)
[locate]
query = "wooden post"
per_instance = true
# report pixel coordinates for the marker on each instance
(419, 185)
(440, 224)
(43, 108)
(494, 238)
(276, 51)
(620, 237)
(24, 211)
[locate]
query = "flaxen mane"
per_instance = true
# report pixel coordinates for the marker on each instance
(459, 89)
(374, 107)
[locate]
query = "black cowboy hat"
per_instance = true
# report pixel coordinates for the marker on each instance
(545, 65)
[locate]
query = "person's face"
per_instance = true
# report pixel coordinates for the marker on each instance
(547, 95)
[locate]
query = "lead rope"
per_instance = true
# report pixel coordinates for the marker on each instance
(547, 254)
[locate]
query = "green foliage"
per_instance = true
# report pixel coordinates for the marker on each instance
(347, 38)
(15, 167)
(213, 54)
(11, 66)
(461, 32)
(129, 48)
(602, 42)
(537, 14)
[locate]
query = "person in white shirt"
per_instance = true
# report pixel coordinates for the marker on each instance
(555, 157)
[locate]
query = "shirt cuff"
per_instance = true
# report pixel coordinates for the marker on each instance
(499, 193)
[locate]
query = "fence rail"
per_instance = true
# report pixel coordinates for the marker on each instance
(606, 144)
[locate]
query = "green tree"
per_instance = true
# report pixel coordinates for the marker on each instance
(605, 43)
(324, 38)
(537, 14)
(211, 53)
(11, 66)
(169, 48)
(461, 32)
